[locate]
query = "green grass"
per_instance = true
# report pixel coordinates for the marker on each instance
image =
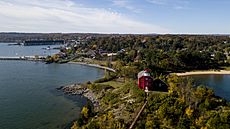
(226, 68)
(114, 84)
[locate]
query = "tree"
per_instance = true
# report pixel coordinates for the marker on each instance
(85, 112)
(220, 57)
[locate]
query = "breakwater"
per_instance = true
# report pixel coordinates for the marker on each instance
(32, 58)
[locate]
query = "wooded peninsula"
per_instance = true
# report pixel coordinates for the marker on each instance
(118, 99)
(182, 105)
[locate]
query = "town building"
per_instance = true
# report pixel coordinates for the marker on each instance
(145, 81)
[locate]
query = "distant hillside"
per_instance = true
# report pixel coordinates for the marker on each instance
(20, 37)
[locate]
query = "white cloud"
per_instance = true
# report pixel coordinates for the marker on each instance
(66, 16)
(175, 4)
(159, 2)
(125, 4)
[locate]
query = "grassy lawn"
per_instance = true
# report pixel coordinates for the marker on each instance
(226, 68)
(114, 84)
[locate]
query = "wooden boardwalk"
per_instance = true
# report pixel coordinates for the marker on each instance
(138, 115)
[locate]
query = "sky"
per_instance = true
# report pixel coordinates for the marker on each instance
(116, 16)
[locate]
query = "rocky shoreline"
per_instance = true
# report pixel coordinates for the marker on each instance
(79, 89)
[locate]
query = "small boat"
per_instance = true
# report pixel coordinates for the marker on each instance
(48, 48)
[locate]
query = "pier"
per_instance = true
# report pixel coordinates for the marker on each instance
(32, 58)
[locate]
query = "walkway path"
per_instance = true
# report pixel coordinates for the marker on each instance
(138, 115)
(94, 65)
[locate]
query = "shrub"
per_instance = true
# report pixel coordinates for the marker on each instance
(99, 87)
(110, 98)
(107, 78)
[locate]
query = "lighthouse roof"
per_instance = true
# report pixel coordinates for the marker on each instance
(143, 73)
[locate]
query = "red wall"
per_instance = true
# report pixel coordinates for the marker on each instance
(145, 81)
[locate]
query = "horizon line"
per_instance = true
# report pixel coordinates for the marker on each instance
(101, 33)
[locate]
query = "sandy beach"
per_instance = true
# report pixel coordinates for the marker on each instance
(203, 73)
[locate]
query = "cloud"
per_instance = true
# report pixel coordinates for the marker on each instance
(175, 4)
(125, 4)
(66, 16)
(158, 2)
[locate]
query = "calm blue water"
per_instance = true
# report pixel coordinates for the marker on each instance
(16, 50)
(28, 95)
(29, 100)
(219, 83)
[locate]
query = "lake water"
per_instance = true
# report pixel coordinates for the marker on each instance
(219, 83)
(28, 95)
(16, 50)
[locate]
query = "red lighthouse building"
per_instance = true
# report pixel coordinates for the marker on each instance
(145, 81)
